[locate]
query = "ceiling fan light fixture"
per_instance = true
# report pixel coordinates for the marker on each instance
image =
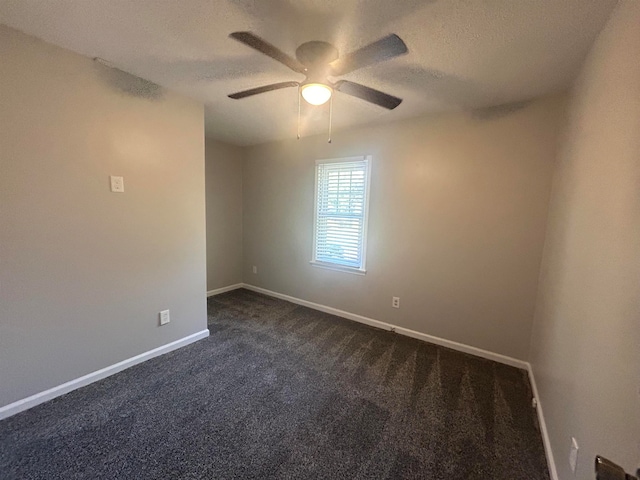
(316, 93)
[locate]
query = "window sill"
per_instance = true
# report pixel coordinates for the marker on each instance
(338, 268)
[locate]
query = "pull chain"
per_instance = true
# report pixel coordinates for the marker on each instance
(299, 112)
(330, 116)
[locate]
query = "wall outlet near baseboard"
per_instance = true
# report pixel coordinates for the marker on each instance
(255, 269)
(164, 317)
(395, 302)
(573, 455)
(117, 184)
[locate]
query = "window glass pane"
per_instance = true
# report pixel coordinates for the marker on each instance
(340, 213)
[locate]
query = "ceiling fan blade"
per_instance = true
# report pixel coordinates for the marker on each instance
(266, 88)
(384, 49)
(368, 94)
(262, 46)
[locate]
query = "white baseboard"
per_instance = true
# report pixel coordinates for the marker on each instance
(38, 398)
(514, 362)
(553, 473)
(228, 288)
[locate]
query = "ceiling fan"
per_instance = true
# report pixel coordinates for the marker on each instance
(320, 60)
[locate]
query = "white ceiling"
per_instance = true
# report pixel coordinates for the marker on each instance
(463, 54)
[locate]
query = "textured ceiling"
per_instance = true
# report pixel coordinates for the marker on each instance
(463, 54)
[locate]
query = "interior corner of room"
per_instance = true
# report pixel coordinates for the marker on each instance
(510, 232)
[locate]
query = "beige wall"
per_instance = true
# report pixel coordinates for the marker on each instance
(83, 271)
(224, 214)
(586, 338)
(456, 228)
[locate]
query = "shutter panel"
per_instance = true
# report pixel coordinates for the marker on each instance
(341, 204)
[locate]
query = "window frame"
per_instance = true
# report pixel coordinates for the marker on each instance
(365, 216)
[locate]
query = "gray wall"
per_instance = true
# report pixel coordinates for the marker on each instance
(224, 214)
(456, 229)
(83, 271)
(586, 337)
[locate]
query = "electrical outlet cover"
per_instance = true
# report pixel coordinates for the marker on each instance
(164, 317)
(117, 184)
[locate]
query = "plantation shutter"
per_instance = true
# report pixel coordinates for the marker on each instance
(341, 209)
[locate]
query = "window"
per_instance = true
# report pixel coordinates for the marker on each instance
(342, 204)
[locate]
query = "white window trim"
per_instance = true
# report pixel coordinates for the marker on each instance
(365, 224)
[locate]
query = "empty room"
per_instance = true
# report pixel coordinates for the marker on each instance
(301, 239)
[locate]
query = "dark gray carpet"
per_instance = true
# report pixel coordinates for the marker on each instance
(282, 391)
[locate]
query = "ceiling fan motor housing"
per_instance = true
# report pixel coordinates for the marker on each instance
(316, 54)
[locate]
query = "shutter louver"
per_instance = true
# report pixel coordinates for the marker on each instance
(341, 204)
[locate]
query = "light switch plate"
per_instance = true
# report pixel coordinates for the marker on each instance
(164, 317)
(117, 184)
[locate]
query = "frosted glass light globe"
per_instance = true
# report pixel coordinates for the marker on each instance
(316, 93)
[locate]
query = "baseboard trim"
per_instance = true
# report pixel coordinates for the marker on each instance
(461, 347)
(553, 473)
(228, 288)
(50, 394)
